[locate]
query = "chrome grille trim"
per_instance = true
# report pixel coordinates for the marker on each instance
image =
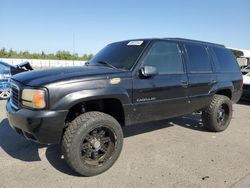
(14, 98)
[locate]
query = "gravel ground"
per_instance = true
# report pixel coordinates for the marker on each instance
(173, 153)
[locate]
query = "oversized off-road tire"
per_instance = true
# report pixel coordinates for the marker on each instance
(92, 143)
(217, 116)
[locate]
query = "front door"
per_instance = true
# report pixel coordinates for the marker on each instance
(163, 95)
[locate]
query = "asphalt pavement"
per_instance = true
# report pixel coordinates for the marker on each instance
(178, 152)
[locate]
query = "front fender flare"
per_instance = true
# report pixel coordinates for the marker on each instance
(72, 99)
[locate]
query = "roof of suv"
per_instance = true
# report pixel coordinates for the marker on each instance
(194, 41)
(180, 40)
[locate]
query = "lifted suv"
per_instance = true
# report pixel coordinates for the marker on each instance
(128, 82)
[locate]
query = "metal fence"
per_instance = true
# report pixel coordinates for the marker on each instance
(40, 63)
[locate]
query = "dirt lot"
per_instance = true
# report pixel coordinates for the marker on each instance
(174, 153)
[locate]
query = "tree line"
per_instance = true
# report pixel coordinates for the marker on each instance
(59, 55)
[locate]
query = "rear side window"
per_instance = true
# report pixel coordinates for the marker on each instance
(198, 58)
(165, 56)
(226, 62)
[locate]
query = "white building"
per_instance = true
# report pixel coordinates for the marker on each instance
(38, 63)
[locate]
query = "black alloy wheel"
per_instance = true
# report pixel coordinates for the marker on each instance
(98, 146)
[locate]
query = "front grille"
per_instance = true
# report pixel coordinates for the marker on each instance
(246, 87)
(14, 96)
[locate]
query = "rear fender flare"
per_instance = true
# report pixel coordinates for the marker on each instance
(221, 86)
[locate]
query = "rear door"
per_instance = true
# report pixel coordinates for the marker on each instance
(164, 95)
(200, 75)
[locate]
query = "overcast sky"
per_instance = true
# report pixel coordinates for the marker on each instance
(48, 25)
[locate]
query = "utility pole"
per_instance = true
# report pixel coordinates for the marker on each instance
(73, 46)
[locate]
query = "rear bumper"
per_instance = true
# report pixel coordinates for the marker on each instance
(246, 94)
(41, 126)
(236, 96)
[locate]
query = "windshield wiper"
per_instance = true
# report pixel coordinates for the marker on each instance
(103, 63)
(107, 64)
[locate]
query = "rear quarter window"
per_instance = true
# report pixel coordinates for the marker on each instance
(225, 60)
(198, 58)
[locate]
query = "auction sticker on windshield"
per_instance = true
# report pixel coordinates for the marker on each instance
(135, 43)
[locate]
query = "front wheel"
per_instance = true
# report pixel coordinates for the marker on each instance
(4, 94)
(217, 116)
(92, 143)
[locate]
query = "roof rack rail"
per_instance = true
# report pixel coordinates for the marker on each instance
(194, 41)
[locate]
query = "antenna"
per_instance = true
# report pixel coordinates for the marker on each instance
(73, 43)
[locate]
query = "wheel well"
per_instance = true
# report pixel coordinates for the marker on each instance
(225, 92)
(112, 107)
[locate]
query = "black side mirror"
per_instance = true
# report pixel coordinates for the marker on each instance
(148, 71)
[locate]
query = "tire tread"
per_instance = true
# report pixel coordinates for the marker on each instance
(72, 130)
(208, 113)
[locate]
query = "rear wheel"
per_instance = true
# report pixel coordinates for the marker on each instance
(92, 143)
(218, 115)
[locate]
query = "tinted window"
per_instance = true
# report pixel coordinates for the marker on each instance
(198, 58)
(4, 69)
(122, 55)
(165, 57)
(3, 66)
(226, 61)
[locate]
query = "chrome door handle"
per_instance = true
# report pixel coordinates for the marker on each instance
(184, 83)
(213, 82)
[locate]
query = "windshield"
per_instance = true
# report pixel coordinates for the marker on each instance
(121, 55)
(4, 69)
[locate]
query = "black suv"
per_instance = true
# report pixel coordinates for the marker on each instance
(128, 82)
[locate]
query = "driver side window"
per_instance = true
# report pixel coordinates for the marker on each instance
(165, 56)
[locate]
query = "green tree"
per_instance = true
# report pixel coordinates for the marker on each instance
(3, 53)
(61, 54)
(43, 55)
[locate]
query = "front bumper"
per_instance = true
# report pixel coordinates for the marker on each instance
(40, 126)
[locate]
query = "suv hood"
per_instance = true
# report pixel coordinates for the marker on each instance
(46, 76)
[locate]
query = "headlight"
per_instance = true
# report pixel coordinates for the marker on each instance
(34, 98)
